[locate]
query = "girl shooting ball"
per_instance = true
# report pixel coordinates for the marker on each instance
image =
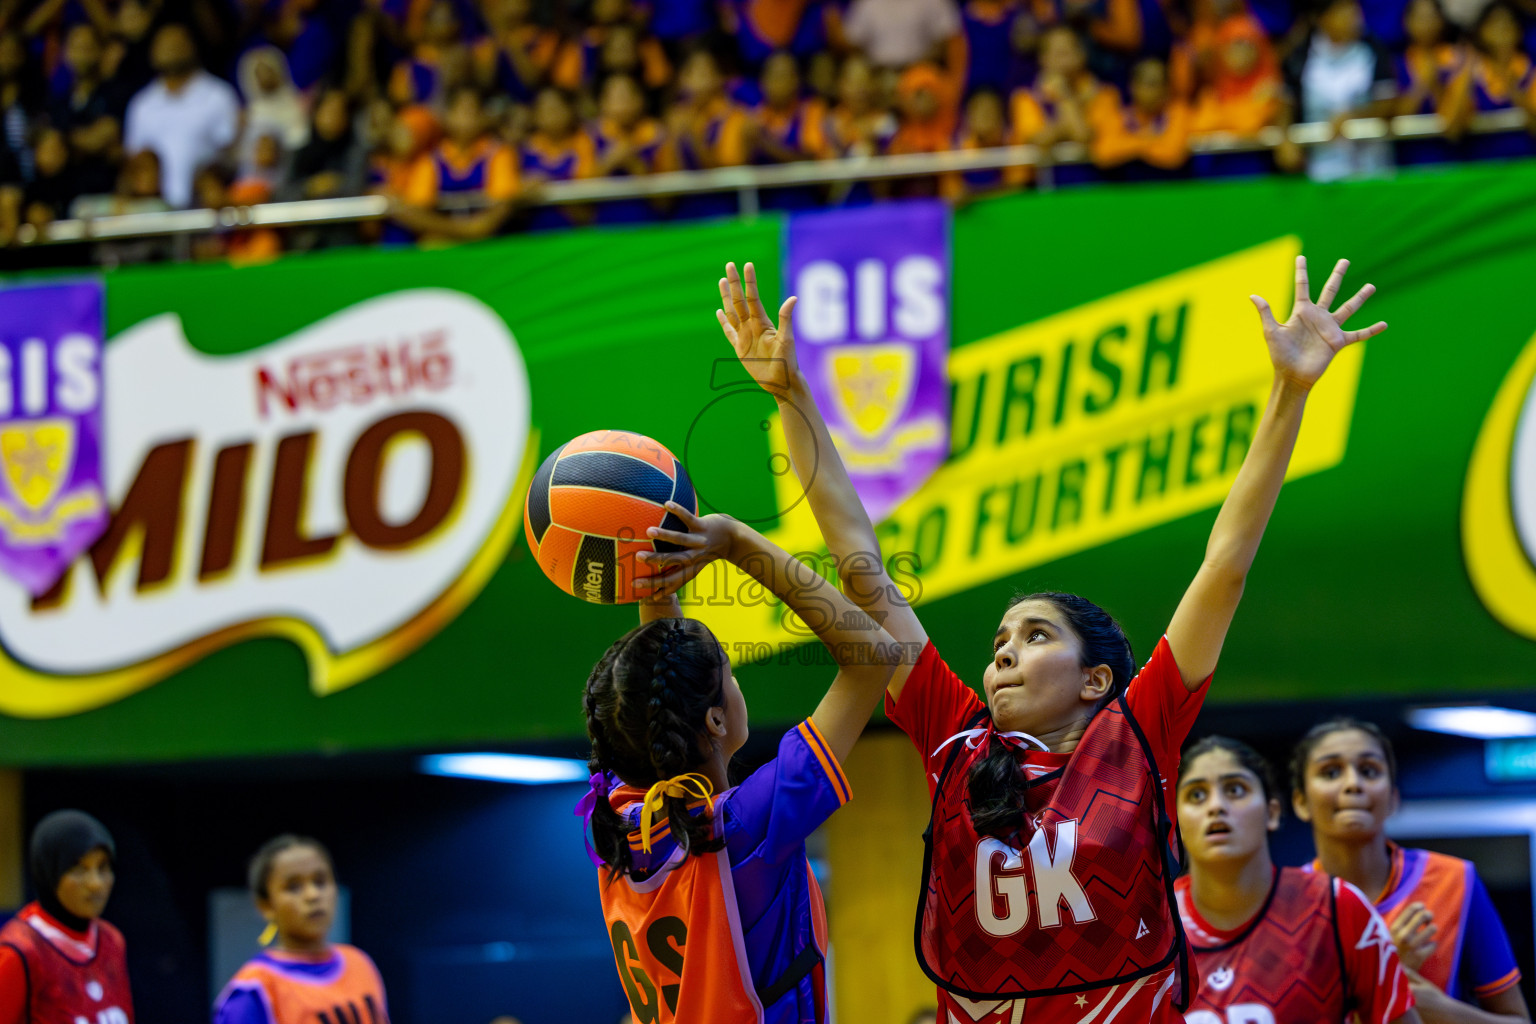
(707, 893)
(1272, 943)
(1049, 874)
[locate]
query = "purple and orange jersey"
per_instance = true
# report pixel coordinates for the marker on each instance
(283, 988)
(1472, 957)
(740, 934)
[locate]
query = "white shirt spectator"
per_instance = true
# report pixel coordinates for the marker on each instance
(895, 33)
(186, 128)
(1337, 79)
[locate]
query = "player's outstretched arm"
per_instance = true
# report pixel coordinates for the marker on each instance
(1300, 350)
(865, 653)
(767, 351)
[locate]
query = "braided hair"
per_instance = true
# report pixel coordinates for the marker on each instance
(997, 786)
(645, 705)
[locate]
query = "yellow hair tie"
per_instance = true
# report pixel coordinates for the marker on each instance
(267, 934)
(691, 784)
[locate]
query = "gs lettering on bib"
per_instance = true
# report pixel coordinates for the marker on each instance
(678, 945)
(1080, 898)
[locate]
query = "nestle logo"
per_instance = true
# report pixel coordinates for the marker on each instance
(356, 374)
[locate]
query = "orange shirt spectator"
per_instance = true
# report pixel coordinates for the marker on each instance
(1153, 128)
(558, 148)
(925, 100)
(1243, 94)
(778, 126)
(772, 23)
(578, 58)
(1499, 76)
(516, 54)
(1191, 64)
(253, 245)
(858, 125)
(439, 62)
(705, 128)
(1429, 63)
(626, 141)
(1055, 109)
(415, 130)
(468, 160)
(1116, 25)
(985, 128)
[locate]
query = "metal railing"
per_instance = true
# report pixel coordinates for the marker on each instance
(747, 182)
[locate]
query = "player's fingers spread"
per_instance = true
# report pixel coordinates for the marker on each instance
(725, 326)
(725, 300)
(787, 315)
(1303, 288)
(738, 298)
(1350, 337)
(1266, 315)
(1333, 284)
(1357, 300)
(753, 299)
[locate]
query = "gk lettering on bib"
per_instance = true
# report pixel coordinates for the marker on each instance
(1080, 898)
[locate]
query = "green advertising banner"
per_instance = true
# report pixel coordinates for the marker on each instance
(317, 467)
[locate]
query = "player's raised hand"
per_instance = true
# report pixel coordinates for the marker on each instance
(708, 538)
(1414, 932)
(1303, 346)
(766, 349)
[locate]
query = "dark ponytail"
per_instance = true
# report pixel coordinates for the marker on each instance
(997, 786)
(1245, 755)
(645, 704)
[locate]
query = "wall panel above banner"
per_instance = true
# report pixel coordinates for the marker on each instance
(315, 467)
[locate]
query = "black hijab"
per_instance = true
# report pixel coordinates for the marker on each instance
(58, 843)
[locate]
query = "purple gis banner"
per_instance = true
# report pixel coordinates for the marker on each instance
(52, 506)
(872, 337)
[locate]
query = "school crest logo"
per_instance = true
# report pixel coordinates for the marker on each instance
(873, 385)
(51, 502)
(1221, 979)
(350, 488)
(872, 335)
(1498, 508)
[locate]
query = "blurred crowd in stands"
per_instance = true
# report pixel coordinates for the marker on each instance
(120, 106)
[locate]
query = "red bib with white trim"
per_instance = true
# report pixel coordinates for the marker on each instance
(1080, 898)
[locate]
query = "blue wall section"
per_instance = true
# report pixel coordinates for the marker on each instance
(475, 899)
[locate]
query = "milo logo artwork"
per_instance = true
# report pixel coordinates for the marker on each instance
(1498, 509)
(350, 487)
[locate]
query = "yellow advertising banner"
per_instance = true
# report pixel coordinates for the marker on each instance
(1078, 429)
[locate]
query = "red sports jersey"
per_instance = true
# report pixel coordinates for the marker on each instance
(1094, 907)
(1316, 952)
(70, 980)
(934, 705)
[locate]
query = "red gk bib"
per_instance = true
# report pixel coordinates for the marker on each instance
(1080, 898)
